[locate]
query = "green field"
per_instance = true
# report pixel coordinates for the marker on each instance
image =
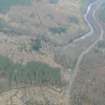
(30, 73)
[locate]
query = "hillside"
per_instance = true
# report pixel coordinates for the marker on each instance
(34, 49)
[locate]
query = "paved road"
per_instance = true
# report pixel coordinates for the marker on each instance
(98, 3)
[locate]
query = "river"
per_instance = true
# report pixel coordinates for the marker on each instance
(92, 31)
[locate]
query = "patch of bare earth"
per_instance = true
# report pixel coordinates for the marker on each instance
(32, 94)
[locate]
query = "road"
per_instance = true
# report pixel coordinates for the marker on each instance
(97, 4)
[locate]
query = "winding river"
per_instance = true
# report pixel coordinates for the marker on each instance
(93, 30)
(91, 21)
(94, 26)
(88, 23)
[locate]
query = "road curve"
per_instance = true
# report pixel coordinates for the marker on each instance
(100, 28)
